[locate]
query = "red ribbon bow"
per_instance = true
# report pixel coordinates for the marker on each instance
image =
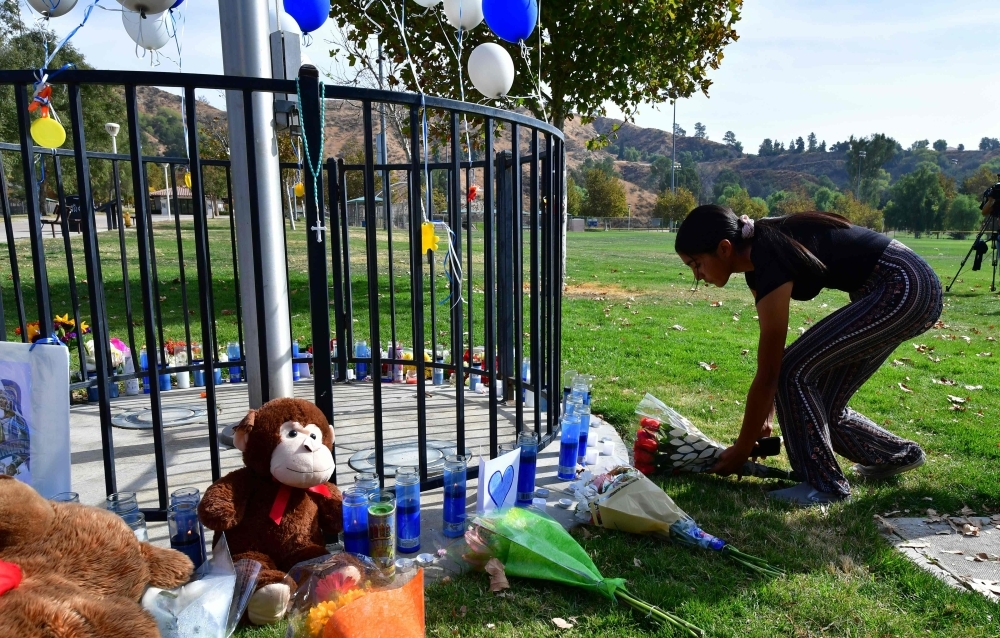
(284, 493)
(10, 577)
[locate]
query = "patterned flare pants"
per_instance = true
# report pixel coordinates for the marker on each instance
(822, 370)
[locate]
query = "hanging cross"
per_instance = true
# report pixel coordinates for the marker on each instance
(319, 231)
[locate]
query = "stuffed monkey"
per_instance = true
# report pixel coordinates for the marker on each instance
(276, 509)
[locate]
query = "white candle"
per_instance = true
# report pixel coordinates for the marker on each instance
(608, 449)
(592, 456)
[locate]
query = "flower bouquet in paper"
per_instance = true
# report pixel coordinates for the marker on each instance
(625, 500)
(347, 596)
(526, 543)
(667, 443)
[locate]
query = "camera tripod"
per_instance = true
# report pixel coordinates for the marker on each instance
(986, 241)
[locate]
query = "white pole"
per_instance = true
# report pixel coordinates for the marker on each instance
(246, 52)
(166, 185)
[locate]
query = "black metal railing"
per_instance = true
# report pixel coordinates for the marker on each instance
(521, 213)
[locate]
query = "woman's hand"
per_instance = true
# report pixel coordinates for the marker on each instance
(731, 460)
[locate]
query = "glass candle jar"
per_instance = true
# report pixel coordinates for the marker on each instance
(408, 509)
(528, 442)
(355, 513)
(454, 495)
(569, 444)
(382, 530)
(185, 531)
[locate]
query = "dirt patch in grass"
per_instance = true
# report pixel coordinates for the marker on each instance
(591, 289)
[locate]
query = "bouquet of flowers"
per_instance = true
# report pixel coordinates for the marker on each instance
(668, 443)
(529, 544)
(626, 500)
(347, 596)
(63, 328)
(118, 353)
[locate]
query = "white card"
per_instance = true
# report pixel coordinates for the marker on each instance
(498, 482)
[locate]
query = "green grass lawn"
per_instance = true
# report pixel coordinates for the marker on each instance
(625, 292)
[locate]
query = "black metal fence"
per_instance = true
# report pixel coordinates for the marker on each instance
(511, 289)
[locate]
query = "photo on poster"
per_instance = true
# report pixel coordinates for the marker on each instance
(15, 420)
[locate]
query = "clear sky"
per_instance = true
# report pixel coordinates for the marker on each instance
(920, 69)
(913, 70)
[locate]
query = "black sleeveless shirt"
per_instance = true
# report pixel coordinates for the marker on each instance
(850, 255)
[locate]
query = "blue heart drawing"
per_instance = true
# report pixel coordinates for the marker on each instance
(500, 485)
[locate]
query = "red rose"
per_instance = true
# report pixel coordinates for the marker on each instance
(644, 457)
(645, 469)
(647, 445)
(649, 424)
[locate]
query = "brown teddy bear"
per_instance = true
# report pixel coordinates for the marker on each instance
(276, 509)
(72, 571)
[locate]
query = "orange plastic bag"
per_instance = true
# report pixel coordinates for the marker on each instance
(395, 613)
(347, 596)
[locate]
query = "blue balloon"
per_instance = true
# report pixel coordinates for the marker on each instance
(511, 20)
(308, 14)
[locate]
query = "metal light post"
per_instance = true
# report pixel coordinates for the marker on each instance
(861, 155)
(113, 130)
(263, 285)
(166, 185)
(673, 148)
(676, 166)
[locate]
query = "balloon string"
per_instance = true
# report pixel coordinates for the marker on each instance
(62, 43)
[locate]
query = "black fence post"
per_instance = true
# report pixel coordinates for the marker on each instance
(316, 239)
(12, 253)
(95, 286)
(33, 200)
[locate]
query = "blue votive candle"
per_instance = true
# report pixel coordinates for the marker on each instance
(569, 443)
(407, 510)
(355, 511)
(295, 366)
(185, 531)
(454, 495)
(190, 495)
(528, 442)
(199, 375)
(233, 352)
(584, 414)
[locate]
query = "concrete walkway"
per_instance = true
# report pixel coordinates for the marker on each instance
(187, 458)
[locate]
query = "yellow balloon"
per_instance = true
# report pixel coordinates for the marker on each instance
(48, 133)
(300, 190)
(187, 179)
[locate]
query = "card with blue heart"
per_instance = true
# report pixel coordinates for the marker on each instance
(497, 482)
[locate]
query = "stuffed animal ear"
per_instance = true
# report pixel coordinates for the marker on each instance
(242, 431)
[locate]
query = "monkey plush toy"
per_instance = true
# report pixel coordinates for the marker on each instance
(276, 509)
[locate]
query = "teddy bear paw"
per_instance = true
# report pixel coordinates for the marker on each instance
(268, 604)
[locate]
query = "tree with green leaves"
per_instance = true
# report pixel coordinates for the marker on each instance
(674, 205)
(589, 57)
(685, 177)
(632, 154)
(977, 183)
(822, 146)
(920, 145)
(729, 139)
(825, 198)
(961, 147)
(678, 131)
(800, 145)
(605, 195)
(963, 213)
(22, 47)
(879, 149)
(788, 202)
(940, 146)
(740, 202)
(811, 143)
(918, 201)
(575, 196)
(699, 131)
(989, 144)
(857, 212)
(766, 148)
(726, 177)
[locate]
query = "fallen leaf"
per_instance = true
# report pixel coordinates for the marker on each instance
(736, 317)
(708, 366)
(716, 304)
(943, 381)
(903, 387)
(941, 325)
(967, 339)
(744, 351)
(636, 562)
(498, 578)
(985, 354)
(462, 611)
(952, 551)
(677, 326)
(955, 407)
(490, 625)
(955, 399)
(970, 530)
(973, 387)
(966, 511)
(920, 347)
(446, 580)
(897, 363)
(562, 624)
(914, 545)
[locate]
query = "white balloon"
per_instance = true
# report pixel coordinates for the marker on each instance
(427, 3)
(464, 14)
(52, 8)
(491, 70)
(150, 33)
(147, 6)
